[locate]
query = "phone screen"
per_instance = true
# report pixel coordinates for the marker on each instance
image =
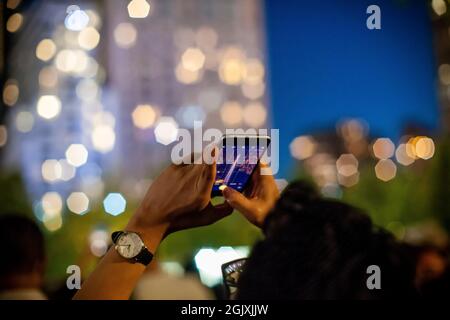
(237, 160)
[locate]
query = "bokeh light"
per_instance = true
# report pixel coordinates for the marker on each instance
(48, 77)
(144, 116)
(78, 203)
(253, 72)
(347, 169)
(3, 135)
(88, 38)
(45, 50)
(347, 165)
(125, 35)
(76, 19)
(402, 156)
(425, 148)
(231, 113)
(114, 204)
(14, 22)
(99, 241)
(383, 148)
(24, 121)
(186, 76)
(72, 61)
(206, 38)
(138, 8)
(166, 130)
(49, 106)
(231, 70)
(255, 114)
(76, 155)
(253, 91)
(11, 92)
(103, 138)
(13, 4)
(420, 147)
(51, 204)
(193, 59)
(51, 170)
(348, 181)
(94, 19)
(385, 170)
(189, 114)
(68, 171)
(444, 73)
(53, 223)
(439, 7)
(302, 147)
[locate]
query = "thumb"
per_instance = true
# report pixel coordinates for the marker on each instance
(238, 201)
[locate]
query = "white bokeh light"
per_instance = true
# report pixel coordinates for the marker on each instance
(51, 170)
(78, 203)
(166, 130)
(103, 138)
(76, 18)
(138, 9)
(49, 106)
(77, 155)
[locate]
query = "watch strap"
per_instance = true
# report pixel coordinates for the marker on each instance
(115, 236)
(144, 257)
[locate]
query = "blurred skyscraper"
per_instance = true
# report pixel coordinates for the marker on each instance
(96, 91)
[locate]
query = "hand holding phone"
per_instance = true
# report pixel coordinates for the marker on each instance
(257, 200)
(241, 182)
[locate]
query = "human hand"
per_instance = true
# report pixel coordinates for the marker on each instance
(178, 199)
(257, 201)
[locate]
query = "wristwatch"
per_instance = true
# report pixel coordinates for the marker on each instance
(130, 246)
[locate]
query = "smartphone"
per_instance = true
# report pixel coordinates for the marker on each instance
(237, 160)
(231, 272)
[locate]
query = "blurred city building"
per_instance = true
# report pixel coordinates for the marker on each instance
(95, 92)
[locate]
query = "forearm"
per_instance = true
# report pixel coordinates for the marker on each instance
(116, 277)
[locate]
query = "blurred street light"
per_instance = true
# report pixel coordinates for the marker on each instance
(76, 19)
(103, 138)
(385, 170)
(14, 22)
(45, 50)
(24, 121)
(138, 9)
(78, 203)
(76, 155)
(114, 204)
(143, 116)
(166, 130)
(255, 114)
(10, 92)
(49, 106)
(231, 113)
(3, 135)
(125, 35)
(383, 148)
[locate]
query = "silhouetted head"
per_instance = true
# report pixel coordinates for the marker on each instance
(321, 249)
(23, 252)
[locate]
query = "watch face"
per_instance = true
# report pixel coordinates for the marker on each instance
(129, 245)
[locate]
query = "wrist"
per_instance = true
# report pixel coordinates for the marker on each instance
(150, 233)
